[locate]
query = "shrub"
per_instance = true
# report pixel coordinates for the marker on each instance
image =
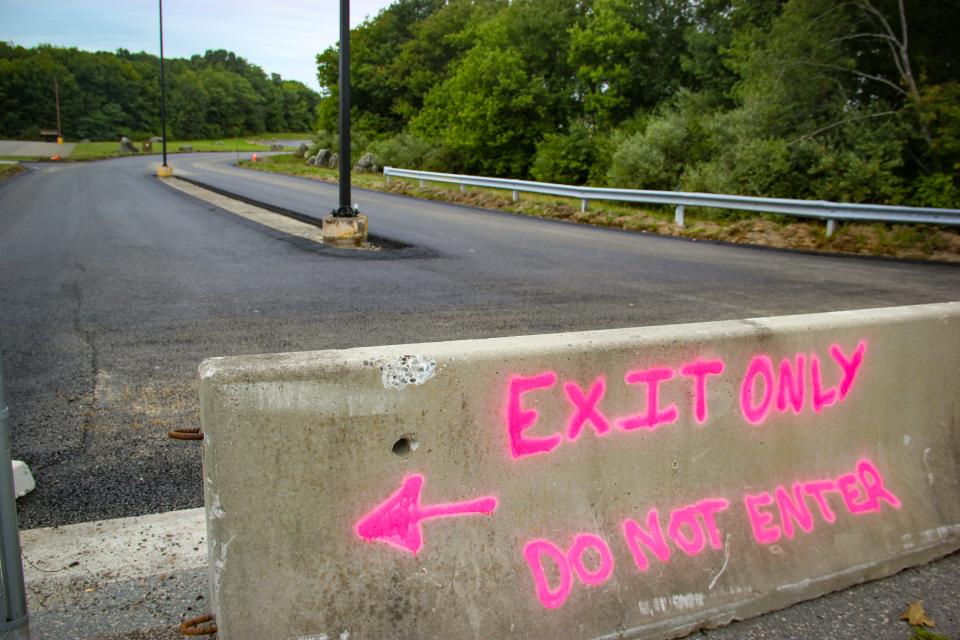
(566, 158)
(403, 151)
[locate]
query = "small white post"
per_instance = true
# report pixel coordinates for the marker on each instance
(583, 205)
(421, 183)
(389, 178)
(831, 226)
(463, 188)
(516, 195)
(678, 215)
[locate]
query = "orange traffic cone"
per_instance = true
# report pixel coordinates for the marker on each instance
(254, 159)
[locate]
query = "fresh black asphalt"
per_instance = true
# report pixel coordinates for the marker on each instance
(114, 287)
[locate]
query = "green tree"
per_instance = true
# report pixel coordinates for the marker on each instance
(490, 113)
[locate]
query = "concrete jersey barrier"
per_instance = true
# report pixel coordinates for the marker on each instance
(634, 483)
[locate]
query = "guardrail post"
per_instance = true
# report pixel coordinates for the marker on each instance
(583, 205)
(13, 603)
(516, 195)
(678, 215)
(463, 188)
(388, 177)
(831, 226)
(421, 183)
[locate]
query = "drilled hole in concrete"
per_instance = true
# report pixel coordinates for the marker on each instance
(404, 446)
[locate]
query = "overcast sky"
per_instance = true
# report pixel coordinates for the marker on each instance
(281, 36)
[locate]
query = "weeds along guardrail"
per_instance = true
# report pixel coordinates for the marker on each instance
(820, 209)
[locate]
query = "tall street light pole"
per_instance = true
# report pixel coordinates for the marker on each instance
(345, 210)
(163, 94)
(345, 226)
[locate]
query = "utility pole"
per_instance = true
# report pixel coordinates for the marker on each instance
(56, 95)
(164, 171)
(345, 210)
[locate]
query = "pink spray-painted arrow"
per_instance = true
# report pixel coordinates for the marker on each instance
(397, 521)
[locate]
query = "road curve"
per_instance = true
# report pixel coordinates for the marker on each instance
(113, 288)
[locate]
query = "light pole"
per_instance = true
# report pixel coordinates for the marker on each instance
(163, 171)
(345, 226)
(56, 95)
(345, 210)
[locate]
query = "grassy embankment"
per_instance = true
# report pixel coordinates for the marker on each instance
(923, 242)
(103, 150)
(9, 170)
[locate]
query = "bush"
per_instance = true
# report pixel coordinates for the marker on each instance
(653, 159)
(403, 151)
(656, 155)
(566, 158)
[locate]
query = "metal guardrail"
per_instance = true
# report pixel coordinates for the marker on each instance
(13, 600)
(821, 209)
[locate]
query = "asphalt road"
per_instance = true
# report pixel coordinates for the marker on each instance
(114, 287)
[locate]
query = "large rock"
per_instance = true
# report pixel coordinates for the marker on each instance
(276, 147)
(334, 161)
(366, 164)
(303, 150)
(312, 160)
(126, 145)
(323, 158)
(186, 149)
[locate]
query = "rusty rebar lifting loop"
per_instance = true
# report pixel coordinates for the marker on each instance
(189, 433)
(192, 626)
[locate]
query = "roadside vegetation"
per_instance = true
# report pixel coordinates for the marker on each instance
(920, 242)
(100, 150)
(847, 101)
(9, 170)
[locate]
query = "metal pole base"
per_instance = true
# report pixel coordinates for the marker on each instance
(345, 211)
(18, 629)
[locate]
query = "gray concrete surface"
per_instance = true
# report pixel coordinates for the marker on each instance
(305, 453)
(29, 149)
(113, 289)
(115, 577)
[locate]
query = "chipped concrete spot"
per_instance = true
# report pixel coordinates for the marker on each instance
(906, 440)
(405, 370)
(216, 510)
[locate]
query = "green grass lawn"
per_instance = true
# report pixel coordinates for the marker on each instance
(102, 150)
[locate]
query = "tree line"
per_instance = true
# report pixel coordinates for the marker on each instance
(852, 101)
(107, 95)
